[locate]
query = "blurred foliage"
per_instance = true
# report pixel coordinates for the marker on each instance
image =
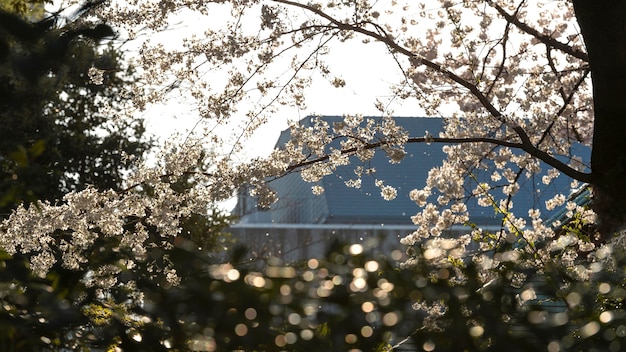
(67, 311)
(341, 303)
(31, 9)
(348, 300)
(558, 307)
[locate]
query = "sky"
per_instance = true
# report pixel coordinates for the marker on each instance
(368, 73)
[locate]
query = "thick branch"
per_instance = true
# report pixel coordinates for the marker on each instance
(546, 39)
(604, 31)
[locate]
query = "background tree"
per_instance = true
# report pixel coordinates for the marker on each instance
(61, 99)
(33, 9)
(59, 134)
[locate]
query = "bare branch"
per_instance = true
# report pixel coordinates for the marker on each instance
(502, 41)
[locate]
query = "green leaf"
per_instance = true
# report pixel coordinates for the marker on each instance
(19, 156)
(37, 149)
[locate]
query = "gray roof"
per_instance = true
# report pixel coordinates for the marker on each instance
(340, 204)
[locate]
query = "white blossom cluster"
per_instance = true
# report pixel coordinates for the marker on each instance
(69, 231)
(314, 151)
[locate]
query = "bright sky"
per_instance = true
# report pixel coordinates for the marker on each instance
(368, 72)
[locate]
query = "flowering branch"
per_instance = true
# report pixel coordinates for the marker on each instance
(546, 39)
(527, 147)
(382, 36)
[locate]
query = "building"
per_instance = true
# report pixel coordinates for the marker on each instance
(301, 225)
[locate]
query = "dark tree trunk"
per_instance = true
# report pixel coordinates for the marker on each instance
(603, 26)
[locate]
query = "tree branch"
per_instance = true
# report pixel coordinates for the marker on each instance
(546, 39)
(527, 147)
(566, 101)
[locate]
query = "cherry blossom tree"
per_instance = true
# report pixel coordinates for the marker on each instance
(519, 84)
(483, 67)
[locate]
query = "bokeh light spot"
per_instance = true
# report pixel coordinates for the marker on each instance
(589, 329)
(351, 339)
(313, 263)
(358, 284)
(371, 266)
(428, 346)
(367, 307)
(573, 299)
(232, 275)
(250, 313)
(604, 288)
(280, 341)
(367, 331)
(606, 317)
(390, 319)
(294, 319)
(291, 338)
(306, 334)
(241, 330)
(356, 249)
(476, 331)
(554, 346)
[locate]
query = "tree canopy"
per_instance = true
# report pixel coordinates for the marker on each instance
(519, 85)
(60, 132)
(58, 135)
